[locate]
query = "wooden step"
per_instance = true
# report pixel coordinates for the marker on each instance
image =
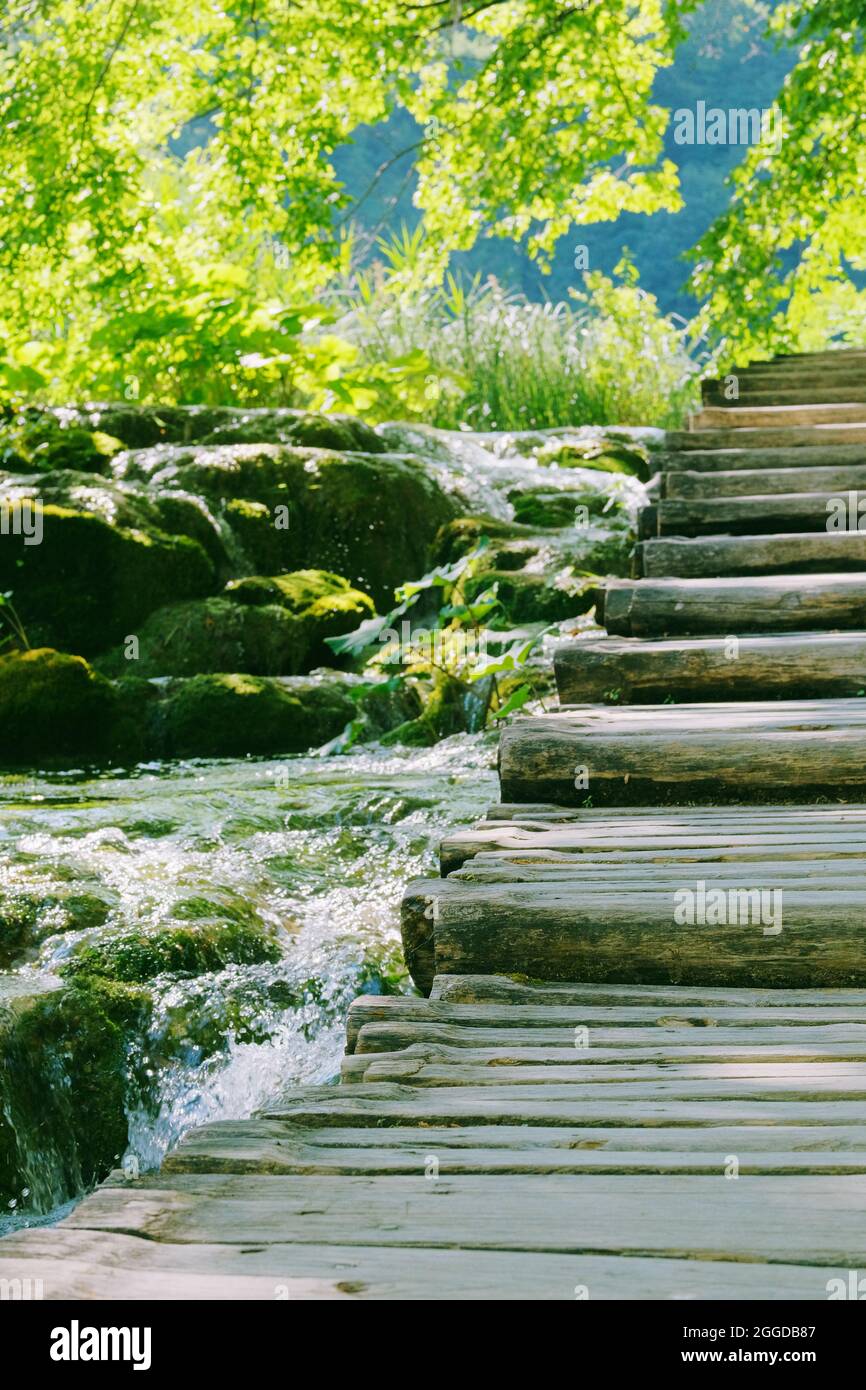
(807, 552)
(761, 929)
(727, 460)
(766, 437)
(621, 670)
(675, 754)
(655, 835)
(765, 604)
(756, 393)
(760, 515)
(753, 482)
(738, 416)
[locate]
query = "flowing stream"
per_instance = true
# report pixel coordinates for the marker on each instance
(318, 848)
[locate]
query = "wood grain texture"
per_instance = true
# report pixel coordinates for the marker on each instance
(636, 670)
(751, 482)
(759, 604)
(763, 515)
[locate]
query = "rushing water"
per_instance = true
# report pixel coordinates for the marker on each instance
(319, 848)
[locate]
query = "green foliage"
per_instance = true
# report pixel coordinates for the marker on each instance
(501, 362)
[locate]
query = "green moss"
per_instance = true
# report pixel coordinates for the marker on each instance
(136, 957)
(27, 919)
(40, 442)
(261, 626)
(89, 583)
(231, 715)
(443, 713)
(56, 705)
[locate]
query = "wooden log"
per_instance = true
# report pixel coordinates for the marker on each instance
(766, 437)
(750, 482)
(720, 753)
(811, 552)
(816, 1219)
(567, 933)
(763, 603)
(808, 512)
(510, 989)
(82, 1264)
(739, 416)
(601, 1019)
(774, 459)
(755, 392)
(632, 670)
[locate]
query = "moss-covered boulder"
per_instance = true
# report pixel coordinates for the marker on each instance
(216, 716)
(86, 583)
(263, 626)
(371, 518)
(39, 441)
(196, 948)
(53, 705)
(27, 918)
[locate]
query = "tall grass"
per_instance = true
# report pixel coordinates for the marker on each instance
(499, 361)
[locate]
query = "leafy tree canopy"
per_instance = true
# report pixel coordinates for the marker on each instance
(169, 206)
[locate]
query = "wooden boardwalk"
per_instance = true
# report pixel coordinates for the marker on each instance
(639, 1070)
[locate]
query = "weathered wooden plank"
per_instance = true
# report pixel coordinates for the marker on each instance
(516, 989)
(747, 416)
(818, 552)
(707, 752)
(762, 603)
(796, 1218)
(714, 460)
(634, 1045)
(826, 875)
(728, 436)
(752, 1014)
(750, 482)
(763, 515)
(81, 1264)
(757, 392)
(564, 932)
(268, 1147)
(635, 670)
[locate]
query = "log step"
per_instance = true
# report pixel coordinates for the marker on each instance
(765, 393)
(759, 515)
(753, 482)
(765, 603)
(733, 459)
(765, 437)
(655, 835)
(737, 416)
(807, 552)
(633, 671)
(675, 754)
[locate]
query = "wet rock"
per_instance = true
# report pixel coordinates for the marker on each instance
(217, 716)
(87, 583)
(53, 705)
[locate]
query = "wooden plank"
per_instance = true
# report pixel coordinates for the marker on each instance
(81, 1264)
(757, 392)
(822, 875)
(747, 416)
(713, 752)
(798, 1218)
(809, 552)
(780, 456)
(762, 515)
(564, 932)
(635, 670)
(727, 436)
(623, 1015)
(751, 482)
(511, 989)
(269, 1147)
(763, 603)
(840, 1042)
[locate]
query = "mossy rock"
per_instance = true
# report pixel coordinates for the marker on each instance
(29, 918)
(37, 442)
(134, 957)
(535, 598)
(88, 584)
(64, 1087)
(371, 518)
(214, 716)
(443, 713)
(53, 705)
(606, 455)
(141, 427)
(262, 626)
(539, 508)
